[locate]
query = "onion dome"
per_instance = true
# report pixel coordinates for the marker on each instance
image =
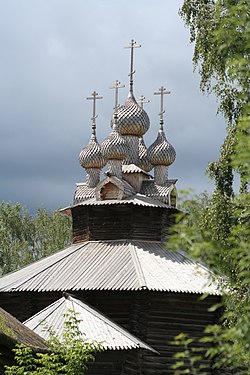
(161, 152)
(132, 119)
(91, 155)
(114, 146)
(143, 160)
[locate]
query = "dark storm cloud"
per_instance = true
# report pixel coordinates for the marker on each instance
(54, 53)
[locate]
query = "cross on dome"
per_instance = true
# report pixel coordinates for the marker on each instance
(143, 100)
(116, 87)
(125, 146)
(162, 91)
(94, 97)
(132, 46)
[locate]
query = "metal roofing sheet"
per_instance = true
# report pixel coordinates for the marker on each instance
(114, 265)
(137, 200)
(93, 325)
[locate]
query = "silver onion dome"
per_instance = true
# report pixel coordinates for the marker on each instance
(143, 159)
(114, 147)
(132, 119)
(161, 152)
(91, 155)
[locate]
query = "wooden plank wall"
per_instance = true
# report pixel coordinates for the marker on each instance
(120, 222)
(109, 362)
(23, 305)
(167, 316)
(155, 317)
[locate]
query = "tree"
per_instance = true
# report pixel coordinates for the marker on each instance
(24, 238)
(68, 356)
(220, 30)
(219, 232)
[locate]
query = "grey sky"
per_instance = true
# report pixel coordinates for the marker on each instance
(54, 53)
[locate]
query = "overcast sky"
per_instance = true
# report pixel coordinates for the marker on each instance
(54, 53)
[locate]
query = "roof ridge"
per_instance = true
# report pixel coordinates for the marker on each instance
(57, 304)
(138, 267)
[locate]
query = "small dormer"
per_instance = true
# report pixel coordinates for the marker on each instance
(134, 176)
(112, 188)
(110, 191)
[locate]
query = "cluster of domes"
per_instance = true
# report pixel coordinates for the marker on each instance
(125, 142)
(129, 120)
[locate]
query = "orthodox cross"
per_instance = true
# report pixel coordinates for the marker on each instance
(116, 87)
(162, 91)
(94, 97)
(132, 46)
(142, 100)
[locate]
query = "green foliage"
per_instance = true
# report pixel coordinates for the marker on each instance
(53, 231)
(24, 238)
(68, 356)
(4, 327)
(220, 30)
(217, 231)
(189, 358)
(226, 250)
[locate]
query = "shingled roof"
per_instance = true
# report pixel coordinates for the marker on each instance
(13, 332)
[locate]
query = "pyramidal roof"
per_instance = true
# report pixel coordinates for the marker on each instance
(114, 265)
(93, 326)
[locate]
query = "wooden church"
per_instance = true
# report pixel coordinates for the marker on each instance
(128, 290)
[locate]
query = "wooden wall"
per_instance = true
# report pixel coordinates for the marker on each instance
(120, 222)
(155, 317)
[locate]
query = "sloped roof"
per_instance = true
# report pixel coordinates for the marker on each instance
(13, 332)
(136, 200)
(132, 168)
(113, 265)
(93, 325)
(126, 190)
(150, 189)
(83, 191)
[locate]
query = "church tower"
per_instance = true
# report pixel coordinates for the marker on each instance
(117, 268)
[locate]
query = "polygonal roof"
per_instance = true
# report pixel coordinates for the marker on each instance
(93, 326)
(114, 265)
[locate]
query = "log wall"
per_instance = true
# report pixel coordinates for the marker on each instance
(120, 222)
(155, 317)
